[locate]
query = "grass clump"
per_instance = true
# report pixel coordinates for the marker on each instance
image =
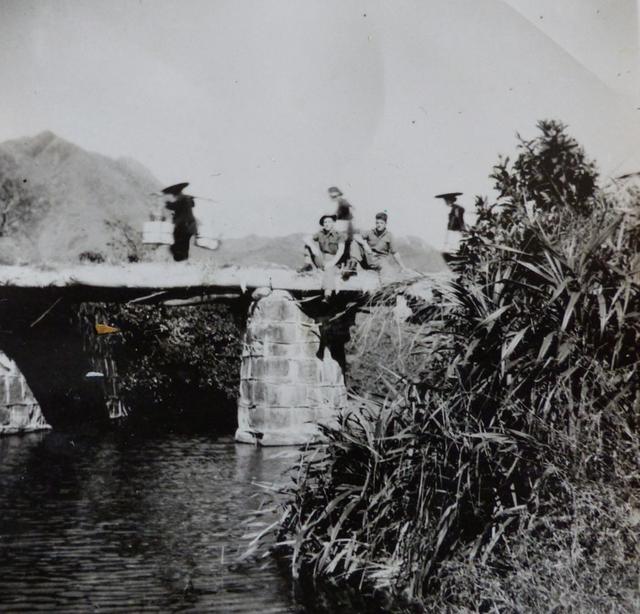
(494, 464)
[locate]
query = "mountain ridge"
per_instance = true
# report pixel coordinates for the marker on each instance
(78, 204)
(88, 201)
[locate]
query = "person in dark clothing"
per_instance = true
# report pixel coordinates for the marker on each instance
(344, 224)
(343, 210)
(184, 223)
(456, 215)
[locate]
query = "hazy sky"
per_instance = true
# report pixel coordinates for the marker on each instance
(264, 104)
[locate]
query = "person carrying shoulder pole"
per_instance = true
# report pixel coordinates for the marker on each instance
(184, 222)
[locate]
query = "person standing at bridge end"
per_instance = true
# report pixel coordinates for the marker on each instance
(455, 221)
(184, 222)
(455, 224)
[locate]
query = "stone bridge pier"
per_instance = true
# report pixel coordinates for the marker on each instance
(292, 364)
(43, 335)
(292, 373)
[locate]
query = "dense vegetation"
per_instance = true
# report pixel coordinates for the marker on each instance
(178, 364)
(22, 206)
(495, 464)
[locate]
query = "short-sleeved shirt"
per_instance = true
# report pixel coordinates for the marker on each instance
(382, 244)
(329, 241)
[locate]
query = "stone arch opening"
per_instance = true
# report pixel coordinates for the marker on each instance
(292, 369)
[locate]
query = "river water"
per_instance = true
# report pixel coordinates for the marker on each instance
(123, 522)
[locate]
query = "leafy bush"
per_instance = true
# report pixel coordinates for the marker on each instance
(501, 451)
(20, 206)
(172, 361)
(22, 210)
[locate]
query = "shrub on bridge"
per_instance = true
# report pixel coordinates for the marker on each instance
(501, 471)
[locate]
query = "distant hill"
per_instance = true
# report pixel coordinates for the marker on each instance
(288, 250)
(71, 202)
(74, 201)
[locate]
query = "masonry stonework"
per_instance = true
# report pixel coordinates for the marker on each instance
(289, 382)
(19, 411)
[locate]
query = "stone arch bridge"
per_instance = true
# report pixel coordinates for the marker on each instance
(291, 378)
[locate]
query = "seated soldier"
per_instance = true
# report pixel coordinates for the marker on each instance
(378, 245)
(325, 248)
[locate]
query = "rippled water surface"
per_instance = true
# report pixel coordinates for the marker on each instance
(136, 524)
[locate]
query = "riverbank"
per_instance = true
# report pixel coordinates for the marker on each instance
(493, 464)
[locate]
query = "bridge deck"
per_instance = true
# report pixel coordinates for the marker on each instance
(158, 276)
(126, 281)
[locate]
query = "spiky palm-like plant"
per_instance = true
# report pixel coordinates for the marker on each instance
(522, 390)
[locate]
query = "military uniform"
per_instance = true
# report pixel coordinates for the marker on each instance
(382, 245)
(328, 241)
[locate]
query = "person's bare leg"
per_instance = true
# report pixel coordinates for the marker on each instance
(329, 280)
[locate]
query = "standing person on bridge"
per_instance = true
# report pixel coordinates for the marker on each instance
(184, 222)
(344, 224)
(456, 215)
(326, 248)
(455, 223)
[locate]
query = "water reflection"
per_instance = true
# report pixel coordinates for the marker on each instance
(128, 523)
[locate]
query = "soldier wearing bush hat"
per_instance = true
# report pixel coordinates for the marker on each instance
(324, 250)
(327, 244)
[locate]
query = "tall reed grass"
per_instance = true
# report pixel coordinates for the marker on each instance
(494, 463)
